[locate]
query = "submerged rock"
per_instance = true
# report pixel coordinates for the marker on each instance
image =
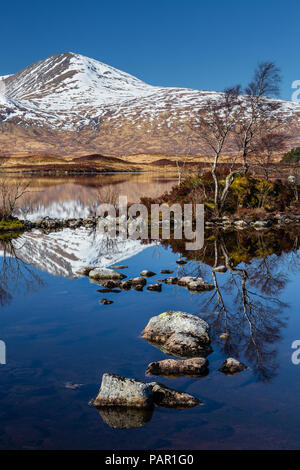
(125, 418)
(106, 302)
(166, 397)
(147, 273)
(224, 336)
(120, 391)
(105, 273)
(197, 366)
(72, 386)
(155, 287)
(179, 333)
(166, 271)
(110, 284)
(232, 366)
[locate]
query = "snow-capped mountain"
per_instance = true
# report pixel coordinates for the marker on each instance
(70, 104)
(63, 253)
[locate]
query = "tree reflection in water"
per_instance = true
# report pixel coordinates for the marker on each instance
(16, 276)
(245, 306)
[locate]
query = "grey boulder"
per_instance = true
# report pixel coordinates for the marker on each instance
(120, 391)
(105, 273)
(194, 367)
(179, 333)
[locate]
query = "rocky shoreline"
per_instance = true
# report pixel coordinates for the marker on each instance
(278, 220)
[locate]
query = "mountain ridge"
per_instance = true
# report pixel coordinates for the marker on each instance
(71, 104)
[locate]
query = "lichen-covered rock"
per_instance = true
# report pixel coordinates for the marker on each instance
(194, 367)
(120, 391)
(232, 366)
(105, 273)
(166, 397)
(147, 273)
(179, 333)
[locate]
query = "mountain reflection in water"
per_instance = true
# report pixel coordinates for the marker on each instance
(244, 310)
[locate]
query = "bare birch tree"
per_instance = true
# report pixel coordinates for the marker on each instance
(214, 125)
(257, 114)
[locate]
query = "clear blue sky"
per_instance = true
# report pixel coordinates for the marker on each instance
(189, 43)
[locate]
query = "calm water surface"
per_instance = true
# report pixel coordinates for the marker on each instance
(57, 334)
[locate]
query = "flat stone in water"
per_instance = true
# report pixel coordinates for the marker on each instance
(105, 273)
(232, 366)
(106, 301)
(154, 287)
(166, 397)
(194, 367)
(120, 391)
(117, 391)
(147, 273)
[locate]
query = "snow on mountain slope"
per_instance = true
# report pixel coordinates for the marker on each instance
(63, 253)
(64, 82)
(72, 90)
(70, 104)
